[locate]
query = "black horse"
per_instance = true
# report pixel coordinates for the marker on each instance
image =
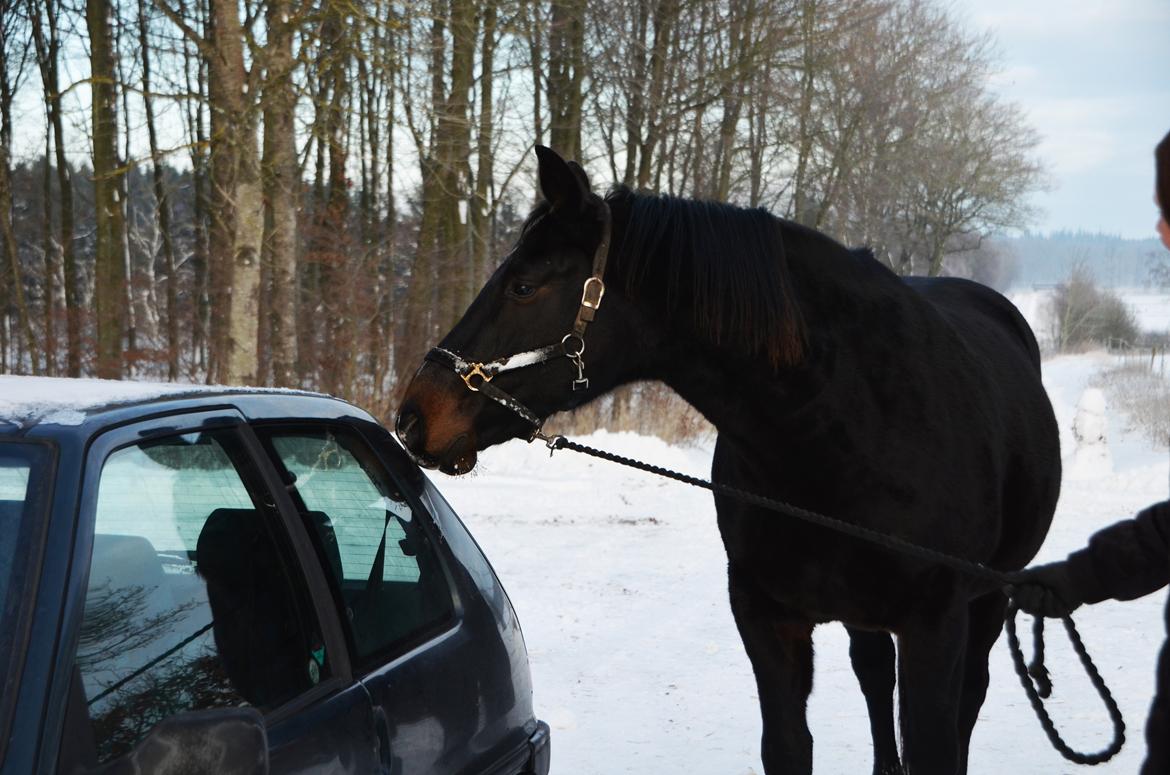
(912, 406)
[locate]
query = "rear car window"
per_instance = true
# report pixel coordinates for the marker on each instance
(194, 600)
(25, 473)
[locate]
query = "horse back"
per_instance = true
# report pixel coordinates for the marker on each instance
(971, 307)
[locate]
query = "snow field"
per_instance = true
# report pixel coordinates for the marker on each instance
(619, 579)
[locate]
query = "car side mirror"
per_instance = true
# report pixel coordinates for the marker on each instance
(222, 741)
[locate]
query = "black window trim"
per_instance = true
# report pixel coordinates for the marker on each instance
(332, 629)
(24, 622)
(98, 451)
(441, 628)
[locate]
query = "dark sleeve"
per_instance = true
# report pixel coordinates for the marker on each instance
(1125, 560)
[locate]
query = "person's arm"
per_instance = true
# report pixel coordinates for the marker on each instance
(1123, 561)
(1126, 560)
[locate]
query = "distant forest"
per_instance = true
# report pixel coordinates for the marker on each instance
(1034, 260)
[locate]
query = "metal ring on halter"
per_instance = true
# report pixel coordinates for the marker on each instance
(565, 344)
(476, 370)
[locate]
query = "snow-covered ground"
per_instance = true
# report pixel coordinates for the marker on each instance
(619, 580)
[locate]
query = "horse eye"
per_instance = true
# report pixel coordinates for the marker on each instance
(521, 290)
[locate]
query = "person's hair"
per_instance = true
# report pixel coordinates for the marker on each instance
(1162, 155)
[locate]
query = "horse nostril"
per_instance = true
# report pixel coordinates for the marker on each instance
(410, 429)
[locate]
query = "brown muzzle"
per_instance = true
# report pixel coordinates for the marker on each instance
(434, 422)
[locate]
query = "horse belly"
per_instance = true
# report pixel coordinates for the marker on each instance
(826, 577)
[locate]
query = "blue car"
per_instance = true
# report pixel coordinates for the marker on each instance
(222, 581)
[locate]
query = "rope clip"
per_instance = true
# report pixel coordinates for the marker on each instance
(552, 442)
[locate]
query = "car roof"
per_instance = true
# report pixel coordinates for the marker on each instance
(69, 402)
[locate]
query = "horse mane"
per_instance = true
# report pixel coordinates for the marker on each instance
(726, 262)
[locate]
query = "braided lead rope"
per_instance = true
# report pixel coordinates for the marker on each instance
(1036, 672)
(1034, 693)
(976, 569)
(1036, 669)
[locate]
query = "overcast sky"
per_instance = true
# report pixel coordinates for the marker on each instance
(1094, 78)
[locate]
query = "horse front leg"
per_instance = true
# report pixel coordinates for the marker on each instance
(930, 682)
(874, 663)
(778, 642)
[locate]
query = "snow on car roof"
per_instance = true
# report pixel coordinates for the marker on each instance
(65, 401)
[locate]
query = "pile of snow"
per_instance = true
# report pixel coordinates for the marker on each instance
(1091, 459)
(619, 579)
(65, 401)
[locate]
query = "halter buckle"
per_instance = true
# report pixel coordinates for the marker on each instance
(592, 292)
(476, 370)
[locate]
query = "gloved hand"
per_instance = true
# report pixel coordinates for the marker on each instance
(1046, 590)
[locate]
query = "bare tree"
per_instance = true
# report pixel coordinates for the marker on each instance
(14, 49)
(109, 195)
(161, 198)
(46, 37)
(281, 189)
(236, 198)
(566, 75)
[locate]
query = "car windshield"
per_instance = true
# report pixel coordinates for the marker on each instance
(24, 488)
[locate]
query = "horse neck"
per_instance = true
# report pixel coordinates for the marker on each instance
(747, 399)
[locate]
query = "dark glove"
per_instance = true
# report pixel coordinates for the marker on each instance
(1046, 590)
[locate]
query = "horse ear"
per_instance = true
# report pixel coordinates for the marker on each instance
(563, 187)
(579, 172)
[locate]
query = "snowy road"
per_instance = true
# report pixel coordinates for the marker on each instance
(619, 580)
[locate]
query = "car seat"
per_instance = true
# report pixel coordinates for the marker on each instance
(257, 628)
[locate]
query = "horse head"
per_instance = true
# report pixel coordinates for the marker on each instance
(528, 345)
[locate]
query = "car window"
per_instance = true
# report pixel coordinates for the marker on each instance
(24, 496)
(372, 543)
(192, 601)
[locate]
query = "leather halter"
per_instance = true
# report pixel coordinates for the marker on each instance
(478, 375)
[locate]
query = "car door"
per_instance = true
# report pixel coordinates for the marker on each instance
(420, 636)
(199, 592)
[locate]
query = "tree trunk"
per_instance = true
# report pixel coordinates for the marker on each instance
(162, 202)
(566, 70)
(419, 324)
(200, 254)
(665, 17)
(536, 58)
(334, 246)
(636, 92)
(443, 231)
(738, 44)
(481, 246)
(803, 210)
(281, 176)
(455, 125)
(11, 276)
(48, 51)
(237, 222)
(109, 196)
(138, 287)
(49, 250)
